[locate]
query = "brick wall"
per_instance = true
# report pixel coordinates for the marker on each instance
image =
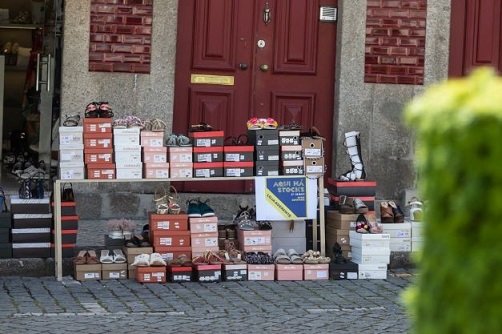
(120, 36)
(395, 41)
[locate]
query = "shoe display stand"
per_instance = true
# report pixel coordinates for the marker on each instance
(57, 208)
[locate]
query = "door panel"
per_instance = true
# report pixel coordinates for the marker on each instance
(288, 75)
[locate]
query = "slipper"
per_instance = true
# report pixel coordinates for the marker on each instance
(200, 127)
(81, 257)
(106, 256)
(172, 140)
(142, 260)
(71, 120)
(92, 258)
(156, 260)
(281, 257)
(295, 258)
(324, 259)
(119, 256)
(134, 122)
(359, 206)
(183, 140)
(264, 225)
(311, 260)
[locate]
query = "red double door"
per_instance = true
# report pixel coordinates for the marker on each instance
(238, 59)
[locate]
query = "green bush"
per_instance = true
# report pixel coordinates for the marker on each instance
(459, 159)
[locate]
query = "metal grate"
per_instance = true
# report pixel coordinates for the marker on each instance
(328, 14)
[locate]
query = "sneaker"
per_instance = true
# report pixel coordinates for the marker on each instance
(194, 208)
(205, 210)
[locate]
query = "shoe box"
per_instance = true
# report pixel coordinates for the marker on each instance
(234, 272)
(289, 137)
(31, 235)
(207, 273)
(5, 235)
(179, 274)
(207, 169)
(152, 138)
(87, 272)
(128, 170)
(72, 170)
(370, 248)
(295, 167)
(291, 153)
(100, 171)
(180, 154)
(207, 138)
(113, 243)
(151, 274)
(314, 272)
(163, 238)
(98, 155)
(337, 228)
(71, 152)
(97, 125)
(204, 225)
(265, 137)
(70, 137)
(68, 209)
(261, 272)
(267, 153)
(158, 170)
(238, 169)
(372, 271)
(67, 236)
(171, 253)
(314, 166)
(114, 271)
(67, 250)
(208, 154)
(168, 222)
(127, 137)
(33, 250)
(130, 254)
(364, 190)
(266, 168)
(181, 169)
(342, 271)
(312, 147)
(254, 238)
(204, 240)
(289, 272)
(126, 153)
(154, 155)
(400, 236)
(98, 140)
(29, 206)
(238, 153)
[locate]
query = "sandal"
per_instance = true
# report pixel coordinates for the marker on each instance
(183, 140)
(254, 124)
(161, 202)
(294, 256)
(398, 213)
(172, 140)
(147, 126)
(158, 125)
(119, 123)
(156, 260)
(91, 111)
(386, 214)
(362, 225)
(346, 205)
(118, 256)
(106, 256)
(199, 260)
(71, 120)
(242, 139)
(281, 257)
(200, 127)
(81, 257)
(105, 110)
(268, 123)
(92, 257)
(174, 207)
(359, 206)
(134, 122)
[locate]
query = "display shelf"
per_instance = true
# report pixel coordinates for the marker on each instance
(57, 207)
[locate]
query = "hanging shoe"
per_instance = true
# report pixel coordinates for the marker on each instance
(352, 144)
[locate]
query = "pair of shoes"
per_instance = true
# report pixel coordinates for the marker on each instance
(86, 257)
(240, 140)
(209, 257)
(257, 258)
(145, 260)
(196, 208)
(200, 127)
(348, 205)
(181, 261)
(112, 256)
(72, 120)
(98, 109)
(315, 257)
(291, 257)
(128, 122)
(155, 125)
(390, 212)
(137, 241)
(178, 140)
(261, 123)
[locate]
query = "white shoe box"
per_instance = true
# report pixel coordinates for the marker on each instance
(128, 170)
(368, 236)
(370, 250)
(370, 244)
(71, 135)
(129, 136)
(127, 153)
(400, 244)
(360, 258)
(372, 271)
(71, 170)
(71, 153)
(416, 229)
(397, 230)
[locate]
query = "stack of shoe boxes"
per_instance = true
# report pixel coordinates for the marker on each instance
(127, 150)
(337, 228)
(291, 156)
(238, 160)
(31, 227)
(130, 254)
(203, 234)
(207, 153)
(169, 235)
(180, 162)
(154, 155)
(5, 235)
(71, 152)
(69, 229)
(98, 148)
(266, 154)
(400, 236)
(255, 241)
(364, 190)
(372, 254)
(313, 155)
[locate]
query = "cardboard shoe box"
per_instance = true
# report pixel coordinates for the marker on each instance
(98, 155)
(163, 238)
(238, 153)
(101, 171)
(312, 147)
(151, 274)
(352, 188)
(372, 271)
(171, 253)
(208, 169)
(152, 139)
(168, 222)
(32, 220)
(266, 137)
(208, 154)
(254, 238)
(34, 250)
(291, 152)
(238, 169)
(98, 140)
(266, 168)
(295, 167)
(267, 153)
(97, 125)
(261, 272)
(71, 135)
(87, 272)
(181, 169)
(114, 271)
(132, 252)
(155, 155)
(316, 271)
(289, 137)
(207, 138)
(158, 170)
(29, 235)
(289, 272)
(204, 240)
(203, 224)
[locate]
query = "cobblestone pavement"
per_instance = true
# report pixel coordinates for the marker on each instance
(44, 305)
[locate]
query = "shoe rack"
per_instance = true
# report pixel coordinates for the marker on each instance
(58, 257)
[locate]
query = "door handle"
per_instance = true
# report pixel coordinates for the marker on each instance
(243, 66)
(264, 67)
(266, 14)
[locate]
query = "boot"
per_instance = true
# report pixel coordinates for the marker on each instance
(353, 147)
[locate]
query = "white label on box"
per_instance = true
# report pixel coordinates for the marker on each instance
(209, 242)
(255, 275)
(232, 157)
(313, 152)
(156, 142)
(167, 256)
(403, 234)
(315, 169)
(161, 174)
(88, 275)
(146, 277)
(322, 274)
(205, 157)
(159, 158)
(351, 275)
(255, 241)
(210, 227)
(205, 142)
(202, 173)
(166, 241)
(163, 225)
(114, 275)
(233, 171)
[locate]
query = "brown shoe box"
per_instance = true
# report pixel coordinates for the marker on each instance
(29, 206)
(235, 272)
(5, 250)
(312, 147)
(32, 220)
(132, 252)
(264, 137)
(4, 235)
(161, 238)
(179, 274)
(5, 220)
(341, 271)
(114, 271)
(266, 168)
(206, 273)
(168, 222)
(29, 235)
(33, 250)
(151, 274)
(87, 272)
(267, 153)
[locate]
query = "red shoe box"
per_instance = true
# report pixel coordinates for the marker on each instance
(98, 155)
(208, 154)
(168, 222)
(97, 125)
(237, 169)
(205, 273)
(151, 274)
(235, 272)
(98, 140)
(316, 271)
(179, 274)
(101, 171)
(238, 153)
(261, 272)
(171, 253)
(289, 272)
(207, 138)
(163, 238)
(208, 169)
(203, 224)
